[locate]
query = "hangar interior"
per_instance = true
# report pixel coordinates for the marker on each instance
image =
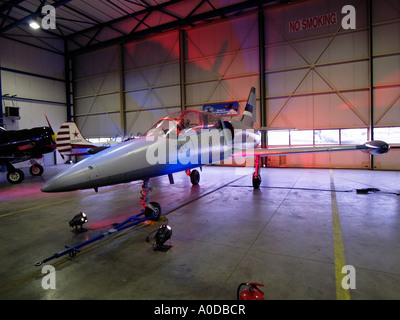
(116, 67)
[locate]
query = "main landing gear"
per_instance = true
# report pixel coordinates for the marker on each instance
(256, 174)
(36, 169)
(15, 176)
(194, 176)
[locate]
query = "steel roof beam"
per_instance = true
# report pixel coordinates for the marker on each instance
(30, 16)
(126, 17)
(189, 20)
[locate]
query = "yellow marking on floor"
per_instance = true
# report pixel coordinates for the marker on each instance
(340, 261)
(40, 206)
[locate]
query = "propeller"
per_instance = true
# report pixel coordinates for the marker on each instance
(53, 135)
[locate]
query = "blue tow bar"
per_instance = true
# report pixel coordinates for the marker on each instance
(72, 251)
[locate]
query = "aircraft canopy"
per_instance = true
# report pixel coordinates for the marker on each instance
(184, 122)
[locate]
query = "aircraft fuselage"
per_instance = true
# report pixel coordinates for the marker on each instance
(150, 156)
(20, 145)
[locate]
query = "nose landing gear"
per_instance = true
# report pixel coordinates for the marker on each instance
(152, 211)
(152, 208)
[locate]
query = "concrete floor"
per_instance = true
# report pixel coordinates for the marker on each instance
(224, 233)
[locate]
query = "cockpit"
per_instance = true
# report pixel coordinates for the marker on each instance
(185, 122)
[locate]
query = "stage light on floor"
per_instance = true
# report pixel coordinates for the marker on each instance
(78, 221)
(163, 234)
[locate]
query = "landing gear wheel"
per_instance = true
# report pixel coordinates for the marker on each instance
(149, 212)
(36, 170)
(194, 177)
(16, 176)
(256, 182)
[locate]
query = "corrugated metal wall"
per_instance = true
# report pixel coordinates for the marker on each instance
(320, 76)
(317, 77)
(35, 78)
(152, 80)
(221, 61)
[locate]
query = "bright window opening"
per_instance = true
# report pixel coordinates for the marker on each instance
(331, 136)
(278, 138)
(353, 136)
(326, 136)
(302, 137)
(389, 135)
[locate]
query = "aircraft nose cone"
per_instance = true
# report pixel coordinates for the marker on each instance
(54, 185)
(45, 188)
(71, 179)
(49, 186)
(122, 163)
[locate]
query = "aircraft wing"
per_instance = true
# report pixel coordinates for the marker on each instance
(96, 149)
(372, 147)
(264, 129)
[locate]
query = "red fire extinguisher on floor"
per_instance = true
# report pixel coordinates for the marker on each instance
(252, 292)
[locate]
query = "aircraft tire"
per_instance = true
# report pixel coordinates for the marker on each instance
(194, 177)
(16, 176)
(256, 183)
(36, 170)
(148, 212)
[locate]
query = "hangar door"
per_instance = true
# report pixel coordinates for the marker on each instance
(123, 90)
(221, 62)
(97, 93)
(319, 78)
(333, 85)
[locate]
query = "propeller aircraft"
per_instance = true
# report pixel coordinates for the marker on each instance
(22, 145)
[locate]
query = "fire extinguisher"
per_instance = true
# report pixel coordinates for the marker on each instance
(251, 293)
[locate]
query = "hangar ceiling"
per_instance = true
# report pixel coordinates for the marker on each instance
(84, 25)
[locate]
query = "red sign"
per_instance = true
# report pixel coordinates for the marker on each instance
(313, 22)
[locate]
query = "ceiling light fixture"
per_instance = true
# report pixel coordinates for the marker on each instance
(33, 24)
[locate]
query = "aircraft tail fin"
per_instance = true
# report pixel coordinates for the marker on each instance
(69, 139)
(247, 117)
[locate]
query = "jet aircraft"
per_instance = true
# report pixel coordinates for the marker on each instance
(22, 145)
(182, 141)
